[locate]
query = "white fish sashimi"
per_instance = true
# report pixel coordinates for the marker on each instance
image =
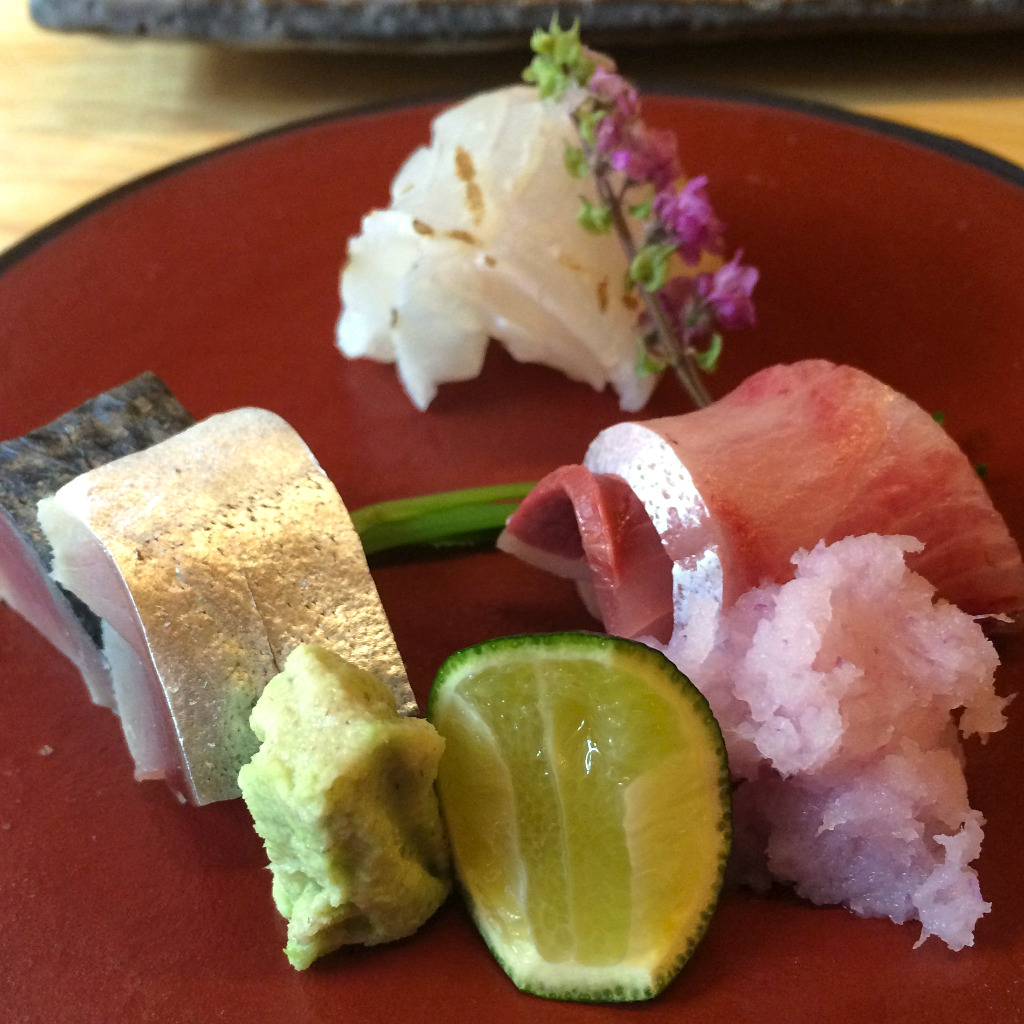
(210, 557)
(481, 241)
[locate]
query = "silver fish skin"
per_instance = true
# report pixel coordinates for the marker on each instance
(210, 557)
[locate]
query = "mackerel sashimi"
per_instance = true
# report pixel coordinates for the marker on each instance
(209, 557)
(795, 455)
(128, 418)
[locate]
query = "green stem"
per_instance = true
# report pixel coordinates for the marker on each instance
(472, 515)
(678, 355)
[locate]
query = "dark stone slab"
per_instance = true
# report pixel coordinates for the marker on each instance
(404, 25)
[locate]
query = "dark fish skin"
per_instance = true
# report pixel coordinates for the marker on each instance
(126, 419)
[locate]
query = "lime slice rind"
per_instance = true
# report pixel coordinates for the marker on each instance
(516, 701)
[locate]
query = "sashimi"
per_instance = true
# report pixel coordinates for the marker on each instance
(842, 675)
(480, 241)
(210, 557)
(125, 419)
(795, 455)
(591, 527)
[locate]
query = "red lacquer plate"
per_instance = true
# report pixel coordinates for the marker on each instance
(895, 251)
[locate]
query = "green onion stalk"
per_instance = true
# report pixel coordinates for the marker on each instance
(446, 522)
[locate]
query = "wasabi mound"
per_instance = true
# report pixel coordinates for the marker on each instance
(342, 793)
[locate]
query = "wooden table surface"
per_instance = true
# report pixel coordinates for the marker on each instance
(80, 113)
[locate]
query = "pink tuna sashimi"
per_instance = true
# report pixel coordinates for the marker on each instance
(795, 455)
(592, 528)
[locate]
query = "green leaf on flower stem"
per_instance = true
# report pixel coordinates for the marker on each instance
(594, 217)
(560, 59)
(575, 162)
(566, 47)
(707, 359)
(647, 364)
(541, 40)
(550, 79)
(642, 210)
(586, 122)
(650, 266)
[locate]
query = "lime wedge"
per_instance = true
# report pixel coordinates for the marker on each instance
(585, 788)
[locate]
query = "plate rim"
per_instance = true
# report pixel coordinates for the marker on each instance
(956, 149)
(287, 152)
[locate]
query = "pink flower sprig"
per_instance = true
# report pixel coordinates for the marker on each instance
(637, 174)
